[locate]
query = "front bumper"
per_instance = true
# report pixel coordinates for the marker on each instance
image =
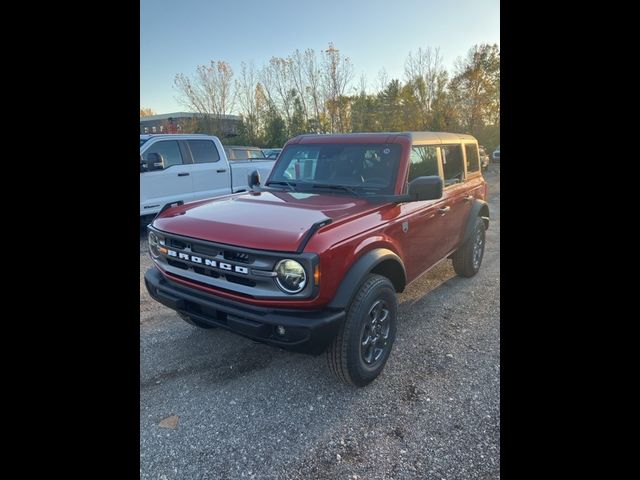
(306, 332)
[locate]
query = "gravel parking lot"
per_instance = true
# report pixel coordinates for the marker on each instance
(238, 409)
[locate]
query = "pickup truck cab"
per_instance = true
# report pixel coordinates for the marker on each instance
(184, 168)
(312, 259)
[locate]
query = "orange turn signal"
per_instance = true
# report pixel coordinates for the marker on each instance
(316, 275)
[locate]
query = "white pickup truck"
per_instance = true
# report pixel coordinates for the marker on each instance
(189, 167)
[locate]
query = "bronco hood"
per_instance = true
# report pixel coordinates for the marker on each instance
(275, 221)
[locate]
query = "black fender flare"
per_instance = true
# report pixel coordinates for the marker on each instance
(356, 275)
(480, 208)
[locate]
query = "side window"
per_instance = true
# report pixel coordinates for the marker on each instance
(203, 151)
(423, 161)
(169, 152)
(240, 154)
(473, 164)
(452, 164)
(255, 154)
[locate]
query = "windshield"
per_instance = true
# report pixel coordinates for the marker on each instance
(364, 168)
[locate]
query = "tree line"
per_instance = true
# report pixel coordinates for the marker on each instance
(308, 92)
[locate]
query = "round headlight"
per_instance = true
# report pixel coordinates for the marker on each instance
(291, 276)
(154, 243)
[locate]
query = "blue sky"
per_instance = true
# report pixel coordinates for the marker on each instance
(178, 35)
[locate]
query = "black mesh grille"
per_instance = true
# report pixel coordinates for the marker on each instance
(172, 242)
(204, 250)
(241, 280)
(209, 252)
(238, 257)
(175, 263)
(206, 271)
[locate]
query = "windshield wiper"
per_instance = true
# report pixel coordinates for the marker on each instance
(336, 187)
(282, 182)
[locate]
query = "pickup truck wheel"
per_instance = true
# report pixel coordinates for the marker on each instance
(362, 346)
(468, 258)
(193, 322)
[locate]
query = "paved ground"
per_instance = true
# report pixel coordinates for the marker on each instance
(245, 410)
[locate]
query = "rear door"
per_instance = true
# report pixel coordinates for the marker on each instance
(456, 194)
(170, 183)
(210, 171)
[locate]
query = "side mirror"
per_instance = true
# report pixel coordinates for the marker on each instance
(254, 178)
(154, 162)
(426, 188)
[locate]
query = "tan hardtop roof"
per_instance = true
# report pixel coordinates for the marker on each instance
(416, 137)
(438, 136)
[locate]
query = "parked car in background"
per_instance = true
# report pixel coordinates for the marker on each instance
(484, 158)
(272, 152)
(236, 152)
(184, 168)
(496, 154)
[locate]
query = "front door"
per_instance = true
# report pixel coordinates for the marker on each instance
(424, 223)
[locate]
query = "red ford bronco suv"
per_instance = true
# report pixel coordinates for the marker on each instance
(312, 259)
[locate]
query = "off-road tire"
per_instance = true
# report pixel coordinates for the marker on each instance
(345, 356)
(467, 260)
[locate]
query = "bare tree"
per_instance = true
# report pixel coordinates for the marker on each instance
(278, 84)
(336, 75)
(424, 71)
(248, 101)
(362, 85)
(297, 69)
(211, 91)
(313, 80)
(383, 80)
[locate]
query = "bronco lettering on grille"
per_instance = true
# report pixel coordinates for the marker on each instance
(208, 262)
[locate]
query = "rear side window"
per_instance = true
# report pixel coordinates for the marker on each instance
(203, 151)
(169, 153)
(255, 153)
(423, 161)
(473, 164)
(239, 154)
(246, 154)
(452, 164)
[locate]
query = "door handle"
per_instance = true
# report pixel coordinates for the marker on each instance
(443, 211)
(222, 170)
(468, 198)
(183, 174)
